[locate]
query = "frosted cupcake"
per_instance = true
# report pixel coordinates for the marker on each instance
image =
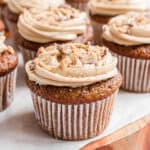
(57, 25)
(73, 89)
(128, 37)
(8, 64)
(79, 4)
(101, 11)
(15, 8)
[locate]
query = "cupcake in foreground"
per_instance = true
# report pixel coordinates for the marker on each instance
(79, 4)
(15, 7)
(56, 25)
(101, 11)
(8, 65)
(128, 37)
(73, 89)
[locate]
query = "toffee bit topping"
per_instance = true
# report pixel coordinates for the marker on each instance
(74, 55)
(32, 66)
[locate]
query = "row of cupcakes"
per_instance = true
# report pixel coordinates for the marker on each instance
(74, 86)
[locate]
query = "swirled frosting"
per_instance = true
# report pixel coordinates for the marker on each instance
(18, 6)
(56, 24)
(72, 65)
(4, 47)
(115, 7)
(128, 29)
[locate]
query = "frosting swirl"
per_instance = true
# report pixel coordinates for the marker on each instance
(56, 24)
(71, 65)
(128, 29)
(115, 7)
(18, 6)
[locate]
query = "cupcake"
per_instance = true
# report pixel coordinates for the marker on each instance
(79, 4)
(73, 88)
(128, 37)
(15, 7)
(56, 25)
(101, 11)
(8, 64)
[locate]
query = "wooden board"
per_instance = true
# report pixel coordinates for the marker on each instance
(134, 136)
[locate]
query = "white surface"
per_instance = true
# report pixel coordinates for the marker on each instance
(19, 130)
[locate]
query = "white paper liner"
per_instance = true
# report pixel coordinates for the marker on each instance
(73, 122)
(7, 89)
(98, 30)
(135, 72)
(27, 54)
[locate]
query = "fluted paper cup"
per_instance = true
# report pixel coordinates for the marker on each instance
(73, 122)
(7, 89)
(135, 72)
(27, 54)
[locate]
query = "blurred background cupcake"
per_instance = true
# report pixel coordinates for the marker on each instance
(73, 89)
(15, 7)
(79, 4)
(128, 37)
(8, 65)
(101, 11)
(63, 24)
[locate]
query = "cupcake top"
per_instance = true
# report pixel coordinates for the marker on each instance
(8, 57)
(71, 65)
(56, 3)
(18, 6)
(129, 29)
(115, 7)
(55, 24)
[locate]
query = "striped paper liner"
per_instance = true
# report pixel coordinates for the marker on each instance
(78, 5)
(73, 122)
(12, 27)
(98, 30)
(135, 72)
(27, 54)
(7, 89)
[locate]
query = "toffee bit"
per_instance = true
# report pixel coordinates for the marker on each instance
(10, 50)
(32, 66)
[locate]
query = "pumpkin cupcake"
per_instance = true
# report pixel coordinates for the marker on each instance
(101, 11)
(79, 4)
(128, 37)
(56, 25)
(8, 64)
(15, 7)
(73, 89)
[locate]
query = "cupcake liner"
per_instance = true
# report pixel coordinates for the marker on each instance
(98, 31)
(27, 54)
(7, 89)
(78, 4)
(12, 27)
(75, 121)
(136, 73)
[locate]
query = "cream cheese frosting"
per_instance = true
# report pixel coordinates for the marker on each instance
(71, 65)
(129, 29)
(18, 6)
(55, 24)
(115, 7)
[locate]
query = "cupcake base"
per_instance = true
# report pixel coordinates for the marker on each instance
(135, 72)
(73, 122)
(7, 89)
